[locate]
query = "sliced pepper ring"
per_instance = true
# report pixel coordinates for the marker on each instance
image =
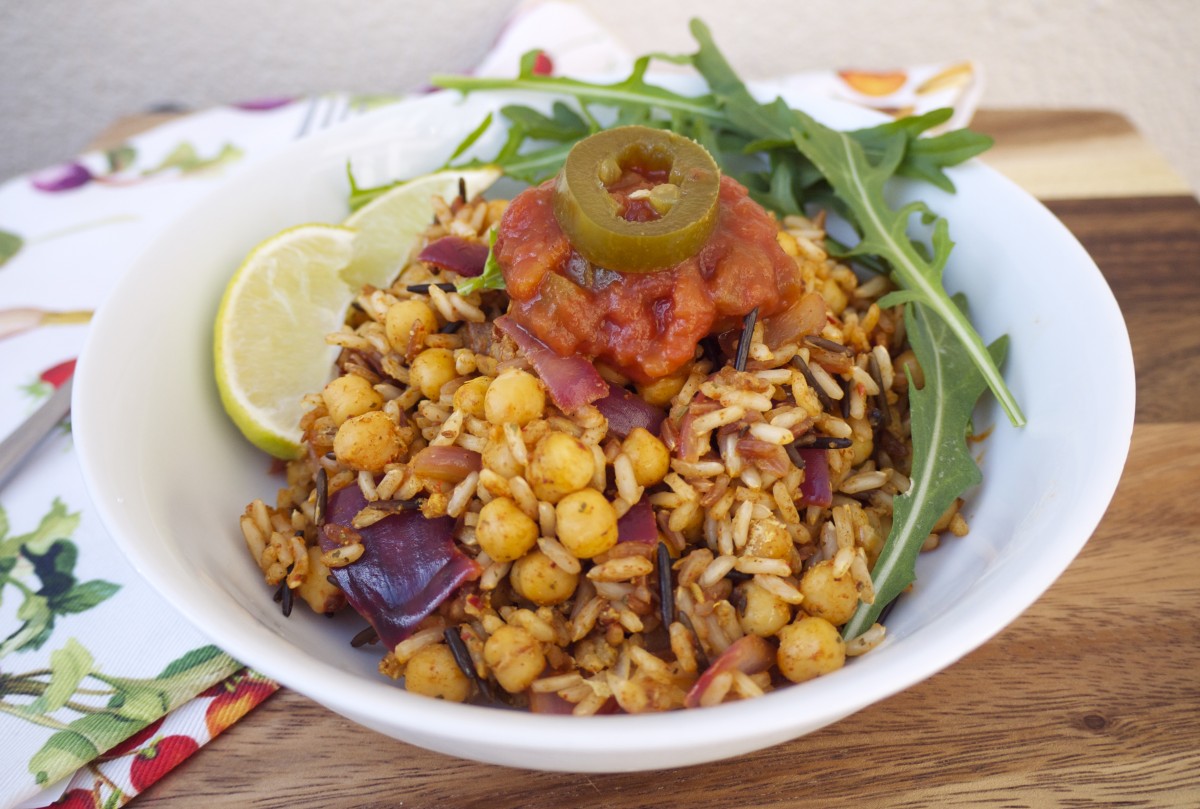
(590, 217)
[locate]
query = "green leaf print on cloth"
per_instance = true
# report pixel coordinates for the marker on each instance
(46, 555)
(133, 704)
(10, 245)
(90, 711)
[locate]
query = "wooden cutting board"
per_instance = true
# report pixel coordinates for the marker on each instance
(1091, 697)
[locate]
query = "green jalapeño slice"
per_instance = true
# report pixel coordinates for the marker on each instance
(678, 200)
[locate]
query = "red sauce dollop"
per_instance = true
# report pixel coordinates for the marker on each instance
(645, 325)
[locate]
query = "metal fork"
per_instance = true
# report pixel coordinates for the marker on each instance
(325, 110)
(18, 446)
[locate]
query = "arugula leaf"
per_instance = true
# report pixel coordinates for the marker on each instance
(491, 277)
(860, 185)
(942, 466)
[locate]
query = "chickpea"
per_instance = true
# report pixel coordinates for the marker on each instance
(650, 458)
(432, 672)
(764, 613)
(514, 396)
(769, 538)
(402, 316)
(833, 598)
(660, 392)
(808, 648)
(560, 464)
(515, 658)
(504, 531)
(431, 369)
(368, 442)
(469, 397)
(349, 396)
(536, 578)
(586, 523)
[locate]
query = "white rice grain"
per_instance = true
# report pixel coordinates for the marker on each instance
(460, 498)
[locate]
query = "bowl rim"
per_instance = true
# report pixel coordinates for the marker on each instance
(938, 643)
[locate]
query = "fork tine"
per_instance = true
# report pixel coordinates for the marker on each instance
(309, 116)
(331, 112)
(328, 109)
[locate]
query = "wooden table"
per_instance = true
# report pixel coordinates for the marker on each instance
(1091, 697)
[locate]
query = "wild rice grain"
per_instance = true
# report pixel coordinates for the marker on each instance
(462, 657)
(743, 349)
(806, 371)
(666, 600)
(364, 637)
(323, 495)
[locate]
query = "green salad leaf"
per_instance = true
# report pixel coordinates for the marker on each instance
(492, 277)
(790, 162)
(942, 466)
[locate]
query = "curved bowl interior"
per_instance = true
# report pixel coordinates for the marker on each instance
(170, 475)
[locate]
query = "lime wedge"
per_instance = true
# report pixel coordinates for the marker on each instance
(269, 344)
(390, 225)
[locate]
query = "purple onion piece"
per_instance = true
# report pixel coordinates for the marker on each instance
(627, 411)
(263, 104)
(815, 490)
(637, 524)
(408, 567)
(456, 254)
(63, 177)
(749, 654)
(572, 381)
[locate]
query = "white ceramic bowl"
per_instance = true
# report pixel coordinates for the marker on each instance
(170, 475)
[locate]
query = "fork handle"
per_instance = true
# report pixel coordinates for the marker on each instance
(16, 448)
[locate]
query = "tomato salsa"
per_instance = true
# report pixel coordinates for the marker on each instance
(644, 325)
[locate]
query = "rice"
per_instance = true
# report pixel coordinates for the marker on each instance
(738, 536)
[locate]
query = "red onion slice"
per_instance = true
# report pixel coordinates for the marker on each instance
(571, 381)
(61, 178)
(627, 411)
(749, 654)
(815, 490)
(456, 254)
(408, 567)
(451, 464)
(638, 525)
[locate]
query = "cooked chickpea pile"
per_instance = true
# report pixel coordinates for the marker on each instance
(564, 616)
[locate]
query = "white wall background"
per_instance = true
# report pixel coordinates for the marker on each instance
(69, 67)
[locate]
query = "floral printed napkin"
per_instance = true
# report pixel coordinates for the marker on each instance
(103, 687)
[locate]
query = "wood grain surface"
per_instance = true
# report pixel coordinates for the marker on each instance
(1092, 697)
